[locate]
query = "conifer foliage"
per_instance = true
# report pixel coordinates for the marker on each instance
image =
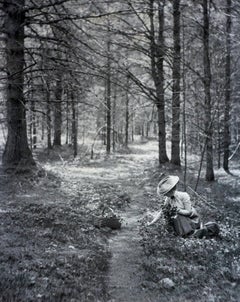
(78, 71)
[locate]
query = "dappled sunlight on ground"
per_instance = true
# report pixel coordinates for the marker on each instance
(111, 168)
(51, 219)
(231, 180)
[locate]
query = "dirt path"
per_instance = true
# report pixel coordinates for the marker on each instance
(51, 251)
(125, 274)
(124, 281)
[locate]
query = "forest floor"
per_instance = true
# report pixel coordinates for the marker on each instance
(52, 251)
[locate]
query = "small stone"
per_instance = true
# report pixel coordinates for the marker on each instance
(167, 283)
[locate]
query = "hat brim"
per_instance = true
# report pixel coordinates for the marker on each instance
(174, 180)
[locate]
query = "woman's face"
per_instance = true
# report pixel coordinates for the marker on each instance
(171, 192)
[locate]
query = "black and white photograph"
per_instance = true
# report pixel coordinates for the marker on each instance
(119, 151)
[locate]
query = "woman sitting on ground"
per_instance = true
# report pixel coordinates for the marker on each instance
(180, 213)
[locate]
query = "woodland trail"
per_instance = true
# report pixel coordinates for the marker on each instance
(125, 278)
(126, 275)
(51, 251)
(127, 174)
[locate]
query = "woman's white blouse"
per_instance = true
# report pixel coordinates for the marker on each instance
(181, 201)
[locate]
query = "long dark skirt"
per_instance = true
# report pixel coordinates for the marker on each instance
(185, 226)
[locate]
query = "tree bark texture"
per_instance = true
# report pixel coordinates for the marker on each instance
(184, 120)
(207, 89)
(114, 136)
(157, 59)
(108, 101)
(17, 151)
(127, 114)
(58, 113)
(48, 114)
(227, 138)
(33, 126)
(67, 118)
(74, 126)
(175, 150)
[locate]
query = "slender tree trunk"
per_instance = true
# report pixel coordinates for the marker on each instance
(157, 59)
(127, 122)
(133, 128)
(43, 128)
(143, 132)
(147, 129)
(48, 113)
(227, 138)
(207, 89)
(42, 120)
(74, 126)
(218, 136)
(33, 125)
(163, 158)
(67, 118)
(184, 126)
(29, 99)
(127, 114)
(108, 101)
(175, 151)
(58, 113)
(114, 137)
(17, 151)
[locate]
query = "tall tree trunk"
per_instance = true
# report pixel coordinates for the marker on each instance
(227, 138)
(74, 126)
(48, 116)
(218, 135)
(175, 151)
(67, 118)
(127, 114)
(108, 100)
(147, 128)
(143, 132)
(43, 122)
(114, 136)
(184, 125)
(163, 158)
(17, 151)
(58, 113)
(33, 126)
(207, 89)
(157, 59)
(133, 128)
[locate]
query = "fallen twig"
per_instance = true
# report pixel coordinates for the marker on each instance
(202, 198)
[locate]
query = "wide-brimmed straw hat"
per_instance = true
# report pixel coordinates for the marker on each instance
(166, 184)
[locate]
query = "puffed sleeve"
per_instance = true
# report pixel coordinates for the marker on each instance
(186, 201)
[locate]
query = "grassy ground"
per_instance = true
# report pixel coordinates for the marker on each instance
(198, 269)
(51, 251)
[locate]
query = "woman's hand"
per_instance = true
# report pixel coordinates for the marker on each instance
(179, 211)
(155, 219)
